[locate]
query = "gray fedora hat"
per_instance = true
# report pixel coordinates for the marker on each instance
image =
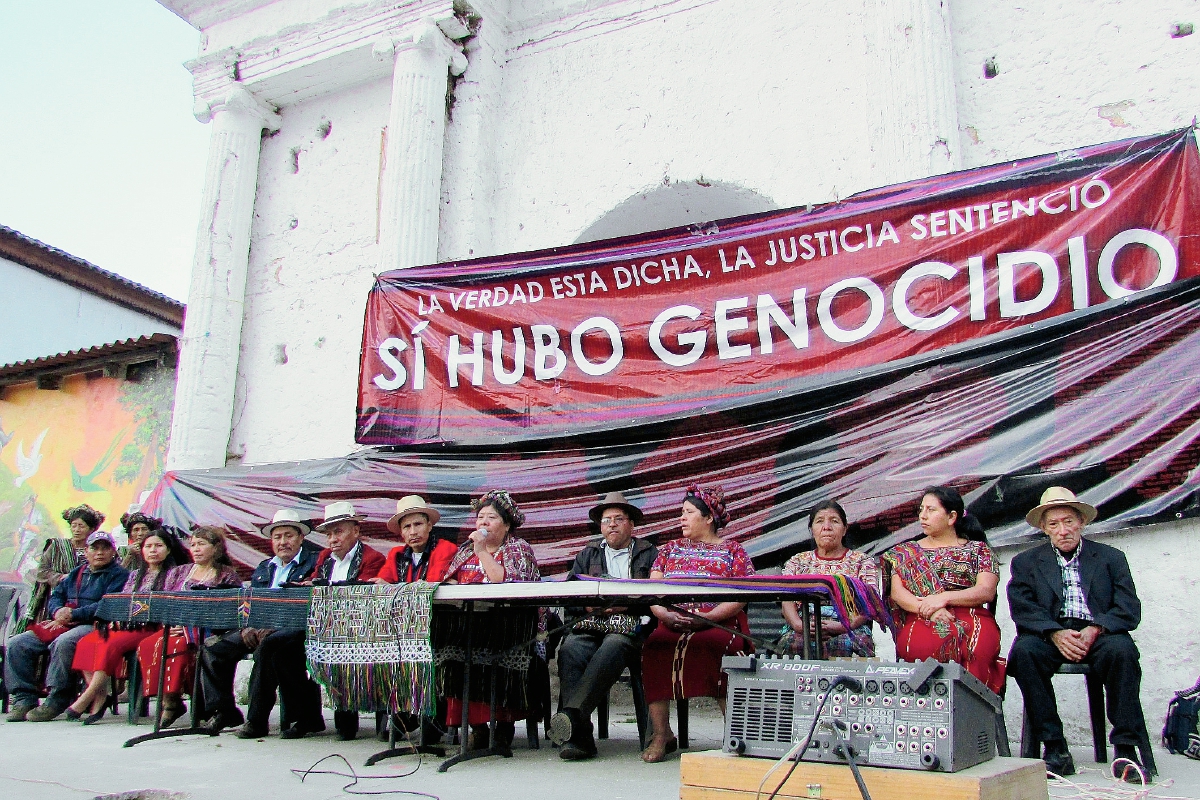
(616, 500)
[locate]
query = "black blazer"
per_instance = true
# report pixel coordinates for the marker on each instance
(1035, 589)
(264, 574)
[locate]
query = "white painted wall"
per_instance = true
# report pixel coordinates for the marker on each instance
(44, 317)
(573, 112)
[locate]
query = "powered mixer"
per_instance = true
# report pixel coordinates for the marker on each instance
(911, 715)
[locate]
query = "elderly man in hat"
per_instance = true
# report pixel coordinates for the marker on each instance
(347, 559)
(274, 650)
(1073, 600)
(604, 642)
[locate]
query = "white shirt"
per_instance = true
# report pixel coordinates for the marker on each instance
(283, 571)
(617, 562)
(341, 566)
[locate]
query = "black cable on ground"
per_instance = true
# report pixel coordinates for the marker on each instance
(355, 778)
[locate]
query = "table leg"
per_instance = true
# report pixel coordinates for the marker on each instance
(820, 633)
(492, 749)
(806, 625)
(193, 728)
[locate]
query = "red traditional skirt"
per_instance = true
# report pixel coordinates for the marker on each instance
(973, 641)
(107, 654)
(479, 713)
(682, 665)
(181, 663)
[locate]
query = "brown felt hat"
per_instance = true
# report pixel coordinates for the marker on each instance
(616, 500)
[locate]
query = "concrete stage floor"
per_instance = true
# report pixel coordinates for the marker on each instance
(61, 759)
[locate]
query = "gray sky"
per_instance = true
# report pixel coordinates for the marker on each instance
(102, 157)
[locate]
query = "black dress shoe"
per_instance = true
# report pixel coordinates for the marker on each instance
(301, 729)
(222, 720)
(573, 752)
(1058, 759)
(248, 731)
(1125, 772)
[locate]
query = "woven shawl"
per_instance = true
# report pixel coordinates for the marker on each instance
(848, 596)
(369, 646)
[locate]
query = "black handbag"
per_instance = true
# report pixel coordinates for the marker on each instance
(1180, 733)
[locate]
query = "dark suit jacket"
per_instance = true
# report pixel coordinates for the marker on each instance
(264, 574)
(1035, 589)
(590, 562)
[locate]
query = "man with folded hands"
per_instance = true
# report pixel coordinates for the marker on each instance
(605, 641)
(273, 650)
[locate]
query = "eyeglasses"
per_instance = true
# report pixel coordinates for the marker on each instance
(613, 520)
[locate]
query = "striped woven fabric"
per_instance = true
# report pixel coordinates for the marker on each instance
(215, 609)
(280, 609)
(370, 646)
(848, 596)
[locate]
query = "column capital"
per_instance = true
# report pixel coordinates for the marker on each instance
(427, 36)
(237, 99)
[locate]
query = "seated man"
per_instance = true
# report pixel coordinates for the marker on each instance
(595, 652)
(292, 563)
(71, 609)
(346, 560)
(424, 556)
(1074, 600)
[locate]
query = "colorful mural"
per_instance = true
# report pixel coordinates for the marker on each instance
(100, 441)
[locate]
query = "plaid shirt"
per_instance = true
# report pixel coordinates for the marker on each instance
(1074, 603)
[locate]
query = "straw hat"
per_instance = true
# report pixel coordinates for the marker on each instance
(286, 517)
(1059, 496)
(341, 511)
(412, 504)
(616, 500)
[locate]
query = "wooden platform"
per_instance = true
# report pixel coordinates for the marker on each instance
(713, 775)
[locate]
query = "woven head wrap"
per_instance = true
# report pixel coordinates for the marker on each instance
(503, 501)
(129, 520)
(90, 516)
(712, 500)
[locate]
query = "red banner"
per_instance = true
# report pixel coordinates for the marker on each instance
(654, 328)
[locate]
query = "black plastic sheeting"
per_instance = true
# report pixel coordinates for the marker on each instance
(1104, 401)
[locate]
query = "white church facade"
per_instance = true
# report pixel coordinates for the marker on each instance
(350, 138)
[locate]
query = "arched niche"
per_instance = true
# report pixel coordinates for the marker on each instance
(673, 205)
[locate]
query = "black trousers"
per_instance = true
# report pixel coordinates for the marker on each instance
(279, 663)
(221, 654)
(1114, 659)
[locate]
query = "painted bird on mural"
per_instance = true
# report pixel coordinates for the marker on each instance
(87, 482)
(5, 438)
(27, 465)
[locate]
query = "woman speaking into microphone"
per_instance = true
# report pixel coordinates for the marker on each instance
(492, 554)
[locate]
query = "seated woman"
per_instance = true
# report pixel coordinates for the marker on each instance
(827, 523)
(940, 587)
(682, 657)
(491, 555)
(136, 525)
(101, 653)
(60, 556)
(212, 569)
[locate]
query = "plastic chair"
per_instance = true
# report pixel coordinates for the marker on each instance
(1031, 747)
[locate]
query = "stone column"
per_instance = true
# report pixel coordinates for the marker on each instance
(212, 330)
(910, 90)
(412, 178)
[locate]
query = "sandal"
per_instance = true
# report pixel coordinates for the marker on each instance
(658, 750)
